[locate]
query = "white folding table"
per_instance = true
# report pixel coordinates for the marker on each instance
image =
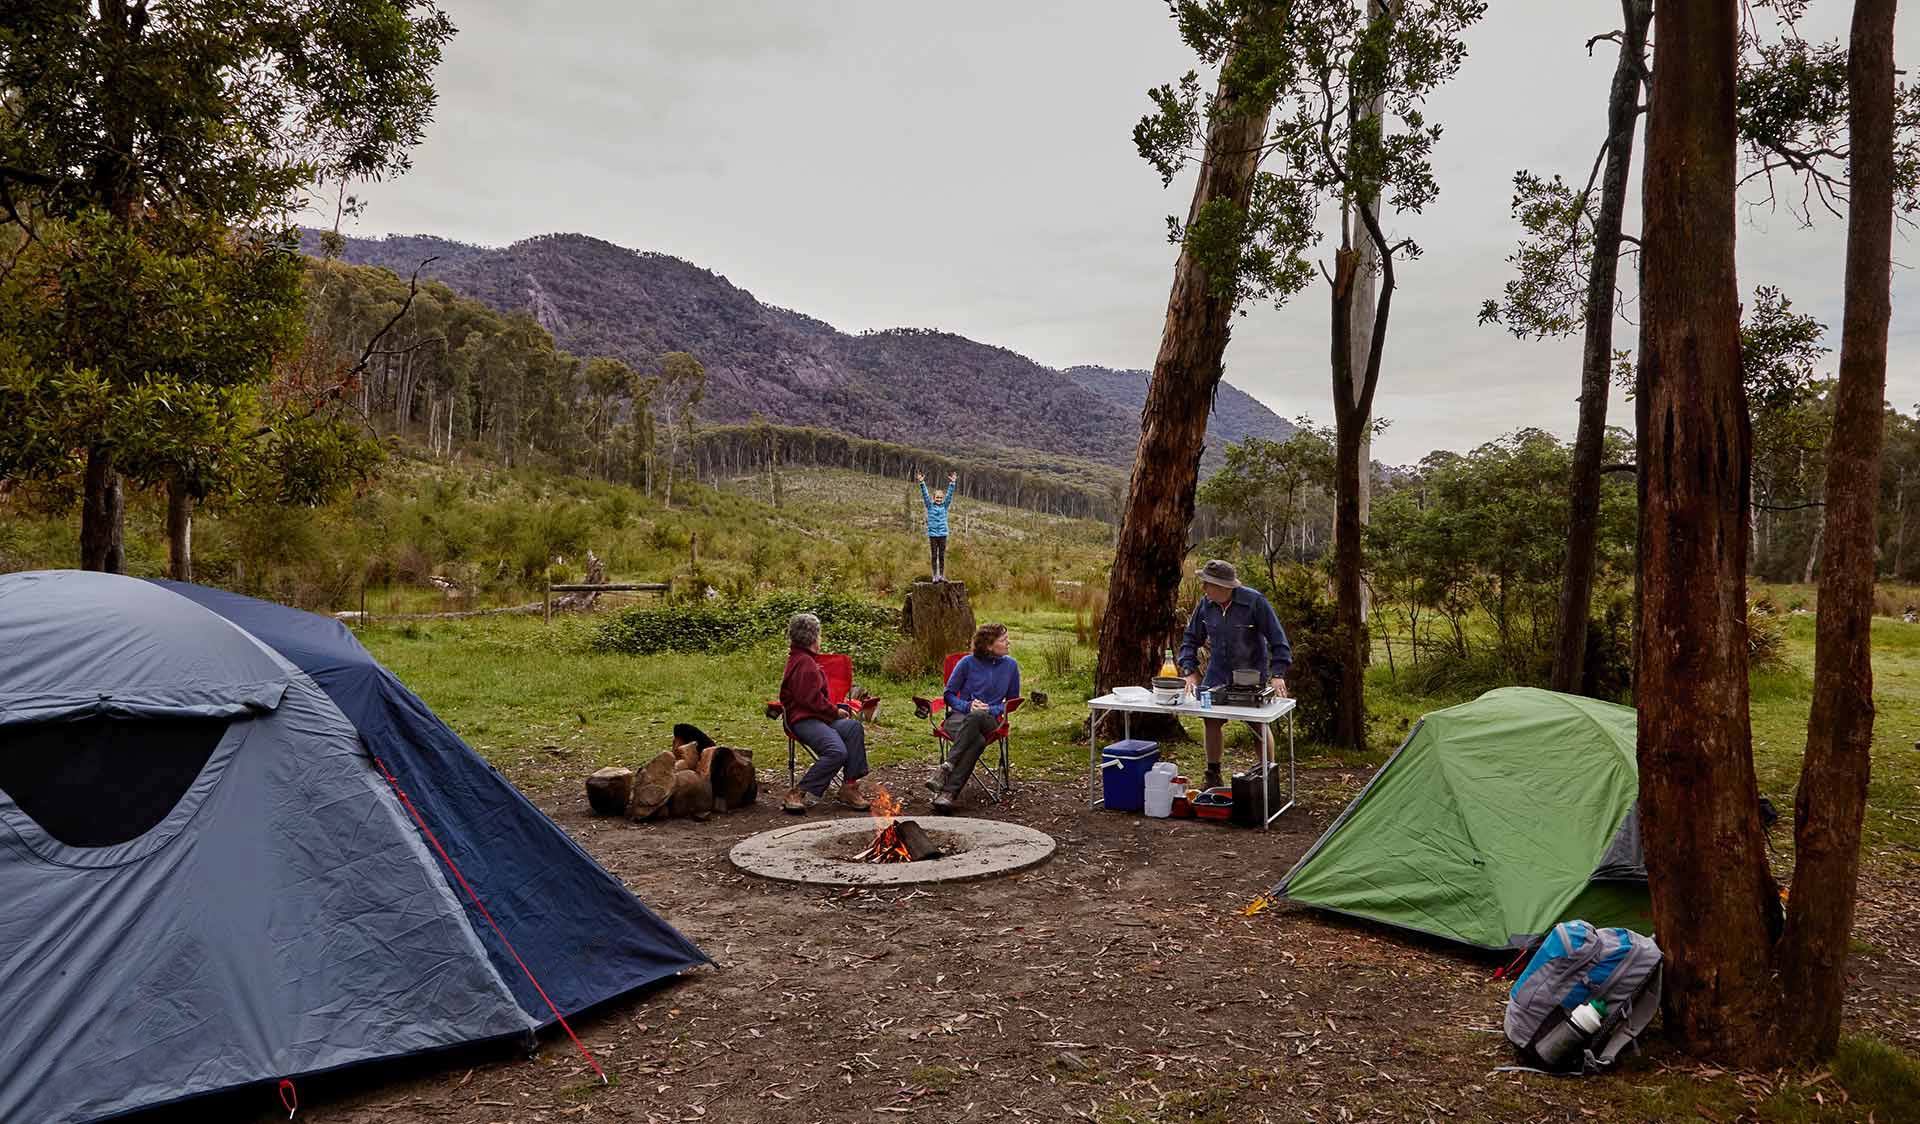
(1262, 716)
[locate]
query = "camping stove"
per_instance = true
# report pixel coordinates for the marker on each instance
(1257, 696)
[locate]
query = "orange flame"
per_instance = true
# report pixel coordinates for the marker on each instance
(887, 846)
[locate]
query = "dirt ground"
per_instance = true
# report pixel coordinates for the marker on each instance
(1118, 983)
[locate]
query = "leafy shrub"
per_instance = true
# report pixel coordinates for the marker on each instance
(865, 631)
(1766, 640)
(906, 661)
(1059, 657)
(1307, 614)
(1607, 672)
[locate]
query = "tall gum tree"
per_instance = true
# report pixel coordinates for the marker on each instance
(1700, 819)
(1791, 105)
(225, 111)
(1745, 985)
(1832, 796)
(1327, 64)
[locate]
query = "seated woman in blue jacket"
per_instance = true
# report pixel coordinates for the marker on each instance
(977, 694)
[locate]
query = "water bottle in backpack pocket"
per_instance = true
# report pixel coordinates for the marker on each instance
(1584, 998)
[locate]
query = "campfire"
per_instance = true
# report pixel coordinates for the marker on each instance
(895, 840)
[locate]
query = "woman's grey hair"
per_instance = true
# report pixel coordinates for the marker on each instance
(803, 630)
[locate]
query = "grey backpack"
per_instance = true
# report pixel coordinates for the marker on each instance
(1573, 965)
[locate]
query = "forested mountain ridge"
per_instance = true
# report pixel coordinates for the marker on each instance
(905, 385)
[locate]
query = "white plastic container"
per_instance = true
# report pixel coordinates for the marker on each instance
(1159, 791)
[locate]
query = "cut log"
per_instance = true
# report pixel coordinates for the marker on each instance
(692, 795)
(608, 790)
(916, 840)
(652, 787)
(938, 618)
(735, 784)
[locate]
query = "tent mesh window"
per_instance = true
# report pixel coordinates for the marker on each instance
(100, 782)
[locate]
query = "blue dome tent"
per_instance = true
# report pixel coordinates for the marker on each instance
(235, 849)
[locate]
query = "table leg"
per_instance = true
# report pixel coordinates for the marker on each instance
(1266, 767)
(1093, 758)
(1292, 791)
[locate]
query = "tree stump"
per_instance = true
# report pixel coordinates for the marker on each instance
(938, 618)
(608, 790)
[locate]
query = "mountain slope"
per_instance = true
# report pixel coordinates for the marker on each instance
(906, 385)
(1237, 415)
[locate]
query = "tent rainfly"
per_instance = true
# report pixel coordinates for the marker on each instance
(234, 849)
(1493, 821)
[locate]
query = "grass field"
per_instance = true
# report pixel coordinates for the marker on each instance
(535, 699)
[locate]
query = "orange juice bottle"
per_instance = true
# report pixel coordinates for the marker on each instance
(1167, 670)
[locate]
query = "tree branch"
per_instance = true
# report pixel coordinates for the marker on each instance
(367, 354)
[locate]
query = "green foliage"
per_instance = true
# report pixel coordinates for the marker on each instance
(1312, 62)
(1607, 671)
(142, 146)
(1306, 611)
(862, 629)
(1548, 295)
(152, 340)
(230, 108)
(1480, 538)
(1791, 114)
(466, 377)
(1766, 640)
(1266, 486)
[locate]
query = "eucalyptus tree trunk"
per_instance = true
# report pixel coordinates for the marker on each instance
(1150, 555)
(101, 544)
(1596, 356)
(1833, 776)
(1699, 815)
(179, 531)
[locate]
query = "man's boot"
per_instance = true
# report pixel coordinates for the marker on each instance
(1214, 779)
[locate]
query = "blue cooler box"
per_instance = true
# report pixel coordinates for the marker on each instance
(1123, 773)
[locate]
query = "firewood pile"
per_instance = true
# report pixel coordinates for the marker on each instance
(688, 780)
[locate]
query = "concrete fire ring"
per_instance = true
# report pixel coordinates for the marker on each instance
(805, 852)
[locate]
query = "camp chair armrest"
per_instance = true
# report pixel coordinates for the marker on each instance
(1012, 705)
(775, 709)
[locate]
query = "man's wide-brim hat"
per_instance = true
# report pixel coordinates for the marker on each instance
(1220, 572)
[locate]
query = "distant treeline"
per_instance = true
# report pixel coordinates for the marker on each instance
(1079, 490)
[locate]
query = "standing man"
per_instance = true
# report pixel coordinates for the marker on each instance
(1241, 630)
(937, 504)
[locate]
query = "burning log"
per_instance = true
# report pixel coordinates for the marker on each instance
(895, 840)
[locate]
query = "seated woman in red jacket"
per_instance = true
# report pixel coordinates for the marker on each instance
(838, 741)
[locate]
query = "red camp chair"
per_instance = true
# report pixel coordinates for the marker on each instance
(838, 667)
(994, 783)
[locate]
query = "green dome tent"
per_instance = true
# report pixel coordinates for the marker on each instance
(1494, 820)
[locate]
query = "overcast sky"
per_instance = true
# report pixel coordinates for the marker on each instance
(970, 167)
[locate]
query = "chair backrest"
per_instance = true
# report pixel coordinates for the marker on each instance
(839, 669)
(946, 670)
